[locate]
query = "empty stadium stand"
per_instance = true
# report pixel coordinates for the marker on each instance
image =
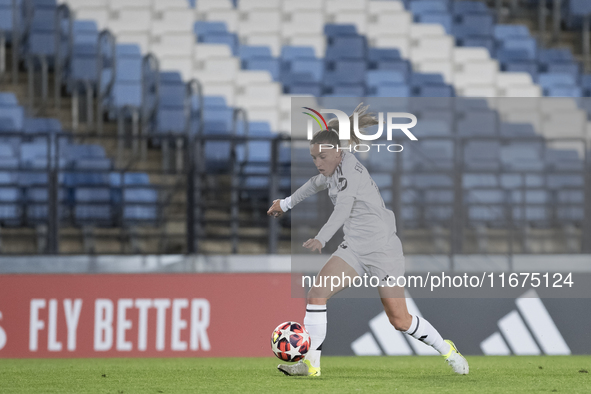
(202, 92)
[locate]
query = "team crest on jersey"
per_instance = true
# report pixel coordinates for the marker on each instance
(342, 184)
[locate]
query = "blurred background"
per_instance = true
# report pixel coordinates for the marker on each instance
(152, 136)
(163, 126)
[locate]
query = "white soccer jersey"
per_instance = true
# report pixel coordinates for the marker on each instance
(368, 225)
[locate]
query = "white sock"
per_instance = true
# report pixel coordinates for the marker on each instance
(422, 330)
(315, 323)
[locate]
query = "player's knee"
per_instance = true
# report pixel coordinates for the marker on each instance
(315, 297)
(316, 301)
(400, 323)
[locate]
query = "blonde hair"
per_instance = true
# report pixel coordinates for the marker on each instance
(331, 135)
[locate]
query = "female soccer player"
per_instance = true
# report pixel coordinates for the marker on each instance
(370, 245)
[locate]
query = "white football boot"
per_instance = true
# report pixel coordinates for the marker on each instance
(456, 360)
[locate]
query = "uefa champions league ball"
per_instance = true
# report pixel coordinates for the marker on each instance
(290, 341)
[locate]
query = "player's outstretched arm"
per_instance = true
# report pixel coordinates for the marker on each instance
(314, 185)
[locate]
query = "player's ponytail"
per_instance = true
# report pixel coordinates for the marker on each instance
(331, 135)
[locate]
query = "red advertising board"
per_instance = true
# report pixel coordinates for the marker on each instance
(147, 315)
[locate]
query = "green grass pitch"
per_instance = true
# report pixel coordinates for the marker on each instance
(255, 375)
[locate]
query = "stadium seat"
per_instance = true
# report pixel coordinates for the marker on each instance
(172, 104)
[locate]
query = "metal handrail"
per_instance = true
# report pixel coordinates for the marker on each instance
(101, 95)
(65, 10)
(150, 66)
(16, 38)
(194, 166)
(194, 88)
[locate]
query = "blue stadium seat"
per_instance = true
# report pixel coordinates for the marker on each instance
(391, 90)
(7, 17)
(346, 47)
(140, 204)
(427, 6)
(429, 155)
(345, 71)
(37, 204)
(10, 207)
(255, 159)
(8, 159)
(515, 49)
(432, 128)
(445, 19)
(436, 91)
(428, 181)
(97, 214)
(376, 55)
(12, 112)
(532, 206)
(470, 25)
(203, 28)
(301, 83)
(547, 80)
(121, 180)
(563, 160)
(503, 32)
(486, 206)
(516, 130)
(559, 85)
(41, 38)
(383, 83)
(313, 67)
(522, 156)
(217, 120)
(216, 33)
(84, 63)
(469, 7)
(555, 55)
(430, 85)
(478, 123)
(571, 68)
(171, 114)
(479, 180)
(75, 152)
(482, 155)
(8, 99)
(92, 195)
(127, 89)
(334, 30)
(289, 53)
(116, 179)
(579, 7)
(229, 39)
(259, 58)
(42, 125)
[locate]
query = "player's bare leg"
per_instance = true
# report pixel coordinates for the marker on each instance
(315, 320)
(394, 302)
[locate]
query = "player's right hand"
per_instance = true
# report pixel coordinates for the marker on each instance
(275, 209)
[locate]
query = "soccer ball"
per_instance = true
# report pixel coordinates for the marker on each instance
(290, 341)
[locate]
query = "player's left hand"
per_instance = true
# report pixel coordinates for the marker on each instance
(275, 209)
(313, 244)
